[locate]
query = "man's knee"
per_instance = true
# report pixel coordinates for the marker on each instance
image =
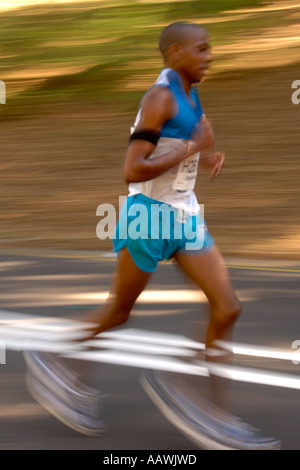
(229, 313)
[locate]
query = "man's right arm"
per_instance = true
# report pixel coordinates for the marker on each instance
(158, 107)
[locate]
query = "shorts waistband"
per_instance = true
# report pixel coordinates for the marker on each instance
(182, 212)
(149, 200)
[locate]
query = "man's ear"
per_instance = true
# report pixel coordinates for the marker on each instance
(175, 52)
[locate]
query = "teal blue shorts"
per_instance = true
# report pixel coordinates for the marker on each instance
(153, 231)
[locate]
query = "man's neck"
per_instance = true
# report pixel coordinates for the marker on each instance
(187, 85)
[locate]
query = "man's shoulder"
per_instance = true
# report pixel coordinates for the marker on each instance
(158, 94)
(166, 77)
(159, 98)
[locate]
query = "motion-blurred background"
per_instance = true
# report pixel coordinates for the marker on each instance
(74, 75)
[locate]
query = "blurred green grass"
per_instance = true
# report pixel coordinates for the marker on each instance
(101, 47)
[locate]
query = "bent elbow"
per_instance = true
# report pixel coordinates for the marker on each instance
(128, 177)
(134, 175)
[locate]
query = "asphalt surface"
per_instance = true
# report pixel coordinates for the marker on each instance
(68, 284)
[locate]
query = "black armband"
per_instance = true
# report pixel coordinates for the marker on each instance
(148, 135)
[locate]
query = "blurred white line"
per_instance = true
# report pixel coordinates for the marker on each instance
(148, 349)
(256, 376)
(17, 330)
(154, 337)
(239, 374)
(259, 351)
(18, 320)
(140, 347)
(23, 344)
(143, 361)
(20, 327)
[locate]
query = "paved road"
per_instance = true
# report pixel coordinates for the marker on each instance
(65, 284)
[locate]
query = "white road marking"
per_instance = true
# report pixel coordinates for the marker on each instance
(136, 348)
(259, 351)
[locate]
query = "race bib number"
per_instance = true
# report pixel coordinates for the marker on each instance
(187, 173)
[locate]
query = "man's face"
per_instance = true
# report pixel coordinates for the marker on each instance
(195, 55)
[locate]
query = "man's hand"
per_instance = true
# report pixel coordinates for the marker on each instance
(213, 161)
(203, 136)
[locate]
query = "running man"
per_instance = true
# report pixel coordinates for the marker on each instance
(171, 140)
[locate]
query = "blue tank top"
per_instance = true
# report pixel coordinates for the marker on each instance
(176, 186)
(190, 110)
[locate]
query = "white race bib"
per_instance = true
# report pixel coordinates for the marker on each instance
(187, 173)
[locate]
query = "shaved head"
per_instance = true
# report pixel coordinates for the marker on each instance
(177, 33)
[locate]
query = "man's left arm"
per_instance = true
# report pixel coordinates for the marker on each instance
(209, 157)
